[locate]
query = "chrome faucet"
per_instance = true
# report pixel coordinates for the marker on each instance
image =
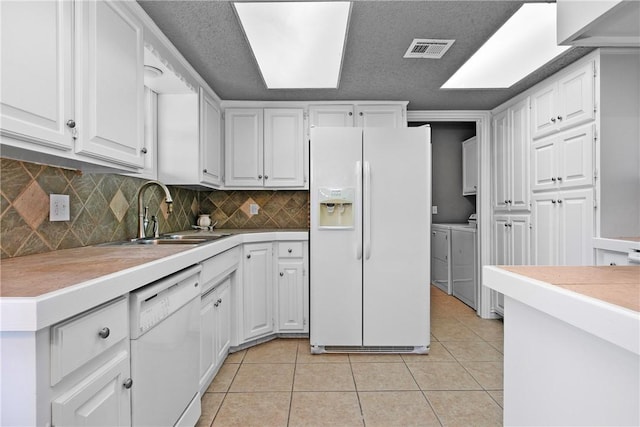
(142, 211)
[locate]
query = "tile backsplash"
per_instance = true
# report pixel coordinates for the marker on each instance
(104, 208)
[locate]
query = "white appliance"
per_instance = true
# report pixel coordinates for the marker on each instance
(370, 204)
(165, 351)
(453, 261)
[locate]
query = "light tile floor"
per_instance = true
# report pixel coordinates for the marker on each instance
(279, 383)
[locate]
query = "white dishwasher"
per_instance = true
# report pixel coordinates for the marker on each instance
(165, 340)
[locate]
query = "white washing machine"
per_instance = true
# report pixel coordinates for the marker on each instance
(453, 261)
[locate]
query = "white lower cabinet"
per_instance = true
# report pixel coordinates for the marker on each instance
(257, 290)
(215, 330)
(563, 224)
(512, 242)
(292, 288)
(101, 399)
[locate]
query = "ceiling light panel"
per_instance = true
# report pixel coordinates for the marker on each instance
(523, 44)
(297, 45)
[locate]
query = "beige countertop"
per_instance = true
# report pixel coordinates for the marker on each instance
(619, 285)
(603, 301)
(37, 291)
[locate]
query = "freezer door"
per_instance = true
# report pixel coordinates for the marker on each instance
(335, 254)
(396, 204)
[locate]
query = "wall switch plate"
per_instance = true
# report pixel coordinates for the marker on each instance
(253, 209)
(434, 210)
(59, 207)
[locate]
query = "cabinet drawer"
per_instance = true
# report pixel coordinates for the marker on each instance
(218, 267)
(76, 341)
(290, 250)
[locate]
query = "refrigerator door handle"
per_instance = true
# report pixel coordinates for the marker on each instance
(358, 210)
(367, 210)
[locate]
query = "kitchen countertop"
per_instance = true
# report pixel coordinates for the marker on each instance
(39, 290)
(603, 301)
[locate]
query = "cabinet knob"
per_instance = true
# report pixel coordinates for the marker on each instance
(71, 124)
(433, 232)
(143, 150)
(248, 256)
(127, 383)
(553, 201)
(219, 300)
(505, 224)
(559, 178)
(104, 333)
(204, 171)
(553, 178)
(475, 187)
(281, 274)
(289, 250)
(360, 113)
(559, 201)
(259, 176)
(560, 118)
(266, 177)
(505, 202)
(350, 113)
(509, 201)
(215, 304)
(553, 119)
(510, 225)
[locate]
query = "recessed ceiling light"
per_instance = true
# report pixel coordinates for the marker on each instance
(296, 44)
(523, 44)
(152, 72)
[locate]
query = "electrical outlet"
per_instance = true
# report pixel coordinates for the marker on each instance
(59, 207)
(253, 209)
(434, 210)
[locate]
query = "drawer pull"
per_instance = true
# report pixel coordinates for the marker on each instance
(127, 383)
(289, 250)
(281, 274)
(104, 333)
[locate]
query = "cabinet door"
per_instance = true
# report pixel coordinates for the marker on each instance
(37, 71)
(98, 400)
(207, 335)
(331, 115)
(576, 97)
(243, 147)
(501, 246)
(519, 155)
(500, 161)
(210, 140)
(223, 320)
(290, 296)
(380, 116)
(257, 290)
(543, 111)
(520, 236)
(110, 93)
(469, 166)
(575, 157)
(283, 148)
(544, 164)
(575, 229)
(545, 229)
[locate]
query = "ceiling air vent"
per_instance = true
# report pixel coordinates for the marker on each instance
(428, 48)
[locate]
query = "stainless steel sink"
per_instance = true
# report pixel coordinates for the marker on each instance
(172, 239)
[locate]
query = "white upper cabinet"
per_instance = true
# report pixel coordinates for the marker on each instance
(331, 115)
(510, 147)
(566, 102)
(110, 61)
(244, 147)
(470, 166)
(564, 160)
(72, 79)
(189, 139)
(380, 116)
(210, 140)
(283, 148)
(264, 148)
(365, 115)
(37, 71)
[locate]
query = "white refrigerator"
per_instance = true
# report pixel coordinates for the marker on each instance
(370, 239)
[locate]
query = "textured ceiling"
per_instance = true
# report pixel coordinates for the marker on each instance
(209, 36)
